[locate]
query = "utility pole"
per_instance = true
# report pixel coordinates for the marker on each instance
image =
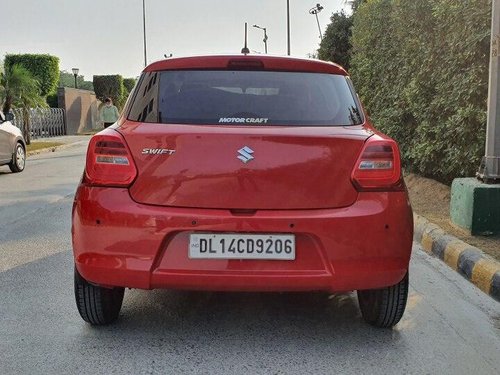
(490, 168)
(144, 29)
(288, 25)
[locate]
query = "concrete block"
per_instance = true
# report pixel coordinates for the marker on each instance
(475, 206)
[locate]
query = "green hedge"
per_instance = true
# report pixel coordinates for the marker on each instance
(129, 84)
(44, 68)
(52, 101)
(110, 86)
(421, 69)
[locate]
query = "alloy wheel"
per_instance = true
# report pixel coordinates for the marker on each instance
(20, 157)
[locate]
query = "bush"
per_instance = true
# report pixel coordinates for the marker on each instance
(44, 68)
(421, 69)
(52, 101)
(129, 84)
(110, 86)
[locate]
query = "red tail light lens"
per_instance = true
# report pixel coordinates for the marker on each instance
(378, 167)
(109, 162)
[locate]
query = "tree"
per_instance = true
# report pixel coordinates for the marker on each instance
(355, 4)
(44, 68)
(20, 89)
(67, 79)
(336, 45)
(110, 86)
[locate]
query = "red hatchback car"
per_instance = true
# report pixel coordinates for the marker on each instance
(242, 173)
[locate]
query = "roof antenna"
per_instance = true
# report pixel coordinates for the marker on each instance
(245, 49)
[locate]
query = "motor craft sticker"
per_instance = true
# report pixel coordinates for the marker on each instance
(243, 120)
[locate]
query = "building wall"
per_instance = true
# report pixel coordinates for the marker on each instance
(82, 109)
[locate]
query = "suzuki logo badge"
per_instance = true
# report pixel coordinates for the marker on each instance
(245, 154)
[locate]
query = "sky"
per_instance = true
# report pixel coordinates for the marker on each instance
(106, 37)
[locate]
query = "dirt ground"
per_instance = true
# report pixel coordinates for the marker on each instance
(431, 200)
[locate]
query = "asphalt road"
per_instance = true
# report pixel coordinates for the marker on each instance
(450, 327)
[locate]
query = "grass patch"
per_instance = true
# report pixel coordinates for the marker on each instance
(91, 132)
(34, 146)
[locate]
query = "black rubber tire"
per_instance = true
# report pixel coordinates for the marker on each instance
(16, 165)
(97, 305)
(384, 307)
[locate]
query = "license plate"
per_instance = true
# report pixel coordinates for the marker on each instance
(242, 246)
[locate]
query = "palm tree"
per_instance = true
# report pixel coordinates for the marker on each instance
(18, 88)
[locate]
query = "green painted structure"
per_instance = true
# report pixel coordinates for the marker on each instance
(475, 206)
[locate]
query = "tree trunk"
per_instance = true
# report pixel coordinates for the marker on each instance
(7, 104)
(26, 126)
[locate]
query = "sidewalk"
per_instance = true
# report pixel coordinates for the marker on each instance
(66, 140)
(474, 257)
(469, 261)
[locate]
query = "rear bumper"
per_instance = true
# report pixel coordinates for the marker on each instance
(118, 242)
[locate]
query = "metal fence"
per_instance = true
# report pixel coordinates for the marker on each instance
(45, 122)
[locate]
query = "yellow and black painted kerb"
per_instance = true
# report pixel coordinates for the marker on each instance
(467, 260)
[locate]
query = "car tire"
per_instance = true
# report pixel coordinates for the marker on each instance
(18, 159)
(97, 305)
(384, 307)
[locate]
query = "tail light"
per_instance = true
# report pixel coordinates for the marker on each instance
(245, 64)
(109, 161)
(379, 166)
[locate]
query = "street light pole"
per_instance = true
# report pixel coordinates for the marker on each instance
(265, 35)
(318, 8)
(75, 74)
(144, 30)
(490, 168)
(288, 25)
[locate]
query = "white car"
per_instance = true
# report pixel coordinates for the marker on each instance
(12, 146)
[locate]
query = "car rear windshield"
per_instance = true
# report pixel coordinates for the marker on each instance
(253, 98)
